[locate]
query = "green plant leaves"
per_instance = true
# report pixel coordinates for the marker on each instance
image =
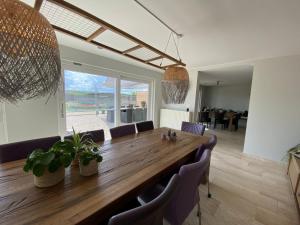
(38, 170)
(62, 153)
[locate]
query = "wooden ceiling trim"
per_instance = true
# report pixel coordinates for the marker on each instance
(38, 4)
(96, 34)
(132, 49)
(112, 28)
(155, 58)
(102, 46)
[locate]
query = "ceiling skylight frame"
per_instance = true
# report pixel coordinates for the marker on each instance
(92, 32)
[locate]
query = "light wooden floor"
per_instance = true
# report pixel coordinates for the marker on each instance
(246, 190)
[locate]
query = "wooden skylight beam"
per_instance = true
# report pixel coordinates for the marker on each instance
(106, 26)
(96, 34)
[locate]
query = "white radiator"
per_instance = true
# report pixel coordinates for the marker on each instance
(173, 118)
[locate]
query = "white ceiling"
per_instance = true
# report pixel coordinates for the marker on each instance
(215, 31)
(234, 75)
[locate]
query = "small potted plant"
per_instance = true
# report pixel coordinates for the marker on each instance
(79, 143)
(48, 167)
(89, 160)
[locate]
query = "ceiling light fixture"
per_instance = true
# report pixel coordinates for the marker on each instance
(30, 63)
(175, 83)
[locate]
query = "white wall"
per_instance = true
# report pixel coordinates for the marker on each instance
(273, 123)
(31, 119)
(235, 97)
(35, 119)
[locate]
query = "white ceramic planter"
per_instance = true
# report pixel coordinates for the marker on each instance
(90, 169)
(50, 179)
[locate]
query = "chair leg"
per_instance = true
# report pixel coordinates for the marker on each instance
(199, 213)
(208, 187)
(208, 190)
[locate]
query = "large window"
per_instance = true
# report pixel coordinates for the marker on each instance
(89, 99)
(134, 101)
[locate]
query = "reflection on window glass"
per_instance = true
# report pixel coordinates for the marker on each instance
(89, 102)
(134, 101)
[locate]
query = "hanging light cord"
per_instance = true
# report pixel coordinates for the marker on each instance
(160, 20)
(167, 45)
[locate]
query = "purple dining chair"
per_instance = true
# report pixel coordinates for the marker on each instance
(210, 145)
(144, 126)
(150, 213)
(186, 197)
(194, 128)
(96, 135)
(122, 131)
(20, 150)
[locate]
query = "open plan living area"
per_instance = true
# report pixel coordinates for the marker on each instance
(139, 112)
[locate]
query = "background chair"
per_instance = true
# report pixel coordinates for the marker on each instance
(194, 128)
(186, 197)
(210, 145)
(20, 150)
(150, 213)
(204, 118)
(122, 131)
(219, 119)
(144, 126)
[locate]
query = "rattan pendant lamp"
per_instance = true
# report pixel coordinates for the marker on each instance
(30, 63)
(175, 83)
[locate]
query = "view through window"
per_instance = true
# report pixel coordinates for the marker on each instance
(134, 101)
(88, 100)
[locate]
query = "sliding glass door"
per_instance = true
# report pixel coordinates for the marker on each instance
(90, 101)
(134, 101)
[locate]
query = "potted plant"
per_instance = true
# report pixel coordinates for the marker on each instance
(79, 143)
(89, 160)
(48, 167)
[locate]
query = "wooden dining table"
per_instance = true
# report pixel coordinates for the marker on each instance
(131, 164)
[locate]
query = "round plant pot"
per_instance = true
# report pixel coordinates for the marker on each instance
(90, 169)
(50, 179)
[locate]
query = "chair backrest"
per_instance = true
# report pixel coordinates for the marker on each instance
(187, 195)
(150, 213)
(20, 150)
(144, 126)
(210, 145)
(219, 115)
(204, 116)
(194, 128)
(122, 131)
(96, 135)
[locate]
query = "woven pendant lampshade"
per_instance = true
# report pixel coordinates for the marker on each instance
(29, 55)
(175, 85)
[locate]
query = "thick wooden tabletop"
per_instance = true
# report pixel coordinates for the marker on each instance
(129, 164)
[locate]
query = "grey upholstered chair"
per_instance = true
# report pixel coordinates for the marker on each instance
(194, 128)
(150, 213)
(186, 197)
(144, 126)
(122, 131)
(20, 150)
(210, 145)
